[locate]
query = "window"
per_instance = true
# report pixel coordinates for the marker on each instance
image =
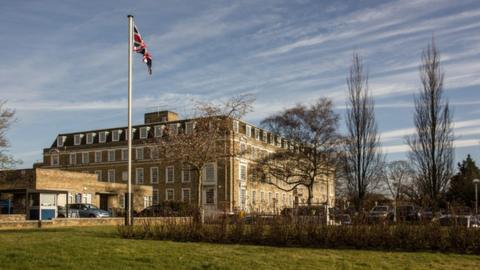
(121, 200)
(248, 131)
(243, 172)
(90, 138)
(154, 175)
(139, 175)
(99, 175)
(125, 176)
(270, 198)
(169, 174)
(209, 173)
(254, 197)
(111, 176)
(257, 134)
(126, 133)
(155, 197)
(147, 201)
(77, 139)
(85, 158)
(169, 194)
(277, 198)
(73, 158)
(60, 141)
(86, 198)
(124, 154)
(284, 199)
(98, 156)
(189, 128)
(243, 198)
(111, 155)
(158, 130)
(143, 132)
(242, 148)
(236, 126)
(139, 153)
(210, 196)
(116, 135)
(54, 160)
(102, 137)
(187, 173)
(265, 136)
(172, 129)
(185, 194)
(262, 196)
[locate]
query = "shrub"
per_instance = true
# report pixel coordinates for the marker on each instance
(284, 231)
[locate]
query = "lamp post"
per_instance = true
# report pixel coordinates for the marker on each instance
(475, 182)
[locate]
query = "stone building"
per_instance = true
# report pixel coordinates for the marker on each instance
(229, 184)
(34, 191)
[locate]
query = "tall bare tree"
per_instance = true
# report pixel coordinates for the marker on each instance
(431, 148)
(398, 179)
(362, 157)
(204, 139)
(309, 159)
(7, 116)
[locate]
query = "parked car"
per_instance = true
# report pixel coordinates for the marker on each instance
(89, 210)
(468, 221)
(426, 214)
(62, 212)
(407, 213)
(343, 219)
(380, 213)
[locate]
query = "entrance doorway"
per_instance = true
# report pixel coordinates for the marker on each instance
(104, 202)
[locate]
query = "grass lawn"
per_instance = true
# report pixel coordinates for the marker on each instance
(101, 248)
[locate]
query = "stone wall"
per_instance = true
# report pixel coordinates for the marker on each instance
(86, 222)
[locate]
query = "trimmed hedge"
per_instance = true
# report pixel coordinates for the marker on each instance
(287, 233)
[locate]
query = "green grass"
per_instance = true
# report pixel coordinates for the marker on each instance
(102, 248)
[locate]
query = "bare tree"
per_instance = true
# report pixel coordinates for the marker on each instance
(309, 158)
(204, 138)
(7, 116)
(398, 178)
(431, 148)
(362, 157)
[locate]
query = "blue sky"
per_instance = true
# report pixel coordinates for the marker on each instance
(64, 66)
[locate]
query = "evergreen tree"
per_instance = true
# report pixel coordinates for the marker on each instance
(462, 189)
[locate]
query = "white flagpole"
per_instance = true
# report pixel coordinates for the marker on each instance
(129, 213)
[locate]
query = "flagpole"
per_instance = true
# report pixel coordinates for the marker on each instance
(129, 220)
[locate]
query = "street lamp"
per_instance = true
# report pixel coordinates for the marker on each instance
(475, 182)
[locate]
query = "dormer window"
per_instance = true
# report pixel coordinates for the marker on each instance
(248, 131)
(265, 136)
(257, 134)
(143, 132)
(158, 130)
(102, 137)
(126, 133)
(116, 135)
(90, 137)
(77, 139)
(61, 140)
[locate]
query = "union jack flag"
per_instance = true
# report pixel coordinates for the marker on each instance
(139, 46)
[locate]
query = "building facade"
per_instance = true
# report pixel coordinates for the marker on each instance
(38, 192)
(229, 183)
